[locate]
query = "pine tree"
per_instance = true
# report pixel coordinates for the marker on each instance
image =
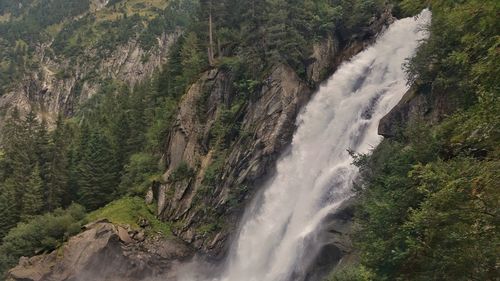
(98, 175)
(32, 200)
(42, 145)
(57, 172)
(19, 154)
(9, 211)
(192, 60)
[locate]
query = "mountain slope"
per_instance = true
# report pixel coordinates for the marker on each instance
(56, 53)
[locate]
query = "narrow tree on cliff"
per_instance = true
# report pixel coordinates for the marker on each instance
(192, 61)
(207, 8)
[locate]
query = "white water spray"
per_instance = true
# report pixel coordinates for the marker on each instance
(316, 176)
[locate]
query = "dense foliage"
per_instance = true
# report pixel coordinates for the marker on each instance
(429, 206)
(40, 234)
(260, 33)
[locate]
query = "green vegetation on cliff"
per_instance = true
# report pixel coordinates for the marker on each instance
(40, 234)
(128, 211)
(429, 206)
(80, 32)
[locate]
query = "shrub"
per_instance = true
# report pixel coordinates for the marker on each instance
(41, 234)
(128, 211)
(140, 172)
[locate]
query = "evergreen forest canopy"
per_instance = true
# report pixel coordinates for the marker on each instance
(428, 208)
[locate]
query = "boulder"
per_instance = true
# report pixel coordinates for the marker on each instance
(104, 252)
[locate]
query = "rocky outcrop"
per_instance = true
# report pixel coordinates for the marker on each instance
(416, 106)
(105, 252)
(59, 85)
(333, 243)
(204, 216)
(269, 119)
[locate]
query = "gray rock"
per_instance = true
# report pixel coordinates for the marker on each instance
(48, 94)
(100, 254)
(415, 106)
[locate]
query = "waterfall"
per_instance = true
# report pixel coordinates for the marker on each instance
(316, 175)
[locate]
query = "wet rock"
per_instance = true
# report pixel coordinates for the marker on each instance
(333, 243)
(417, 106)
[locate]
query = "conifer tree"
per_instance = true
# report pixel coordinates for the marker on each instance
(32, 200)
(57, 168)
(19, 154)
(98, 175)
(9, 211)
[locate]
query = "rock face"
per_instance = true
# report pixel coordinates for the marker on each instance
(104, 252)
(60, 85)
(333, 242)
(417, 107)
(267, 122)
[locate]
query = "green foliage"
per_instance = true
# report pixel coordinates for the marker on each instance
(208, 228)
(262, 33)
(427, 219)
(40, 234)
(429, 206)
(32, 200)
(33, 169)
(458, 58)
(139, 174)
(128, 211)
(213, 171)
(351, 273)
(98, 173)
(191, 58)
(182, 172)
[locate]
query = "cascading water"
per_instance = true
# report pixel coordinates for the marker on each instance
(316, 176)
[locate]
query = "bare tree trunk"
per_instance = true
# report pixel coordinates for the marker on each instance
(211, 38)
(219, 50)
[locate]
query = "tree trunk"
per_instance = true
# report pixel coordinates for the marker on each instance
(211, 38)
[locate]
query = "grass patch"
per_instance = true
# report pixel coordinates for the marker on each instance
(128, 211)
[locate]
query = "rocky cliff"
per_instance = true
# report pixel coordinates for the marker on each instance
(59, 85)
(204, 214)
(416, 106)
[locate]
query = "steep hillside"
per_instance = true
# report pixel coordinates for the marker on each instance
(56, 54)
(227, 143)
